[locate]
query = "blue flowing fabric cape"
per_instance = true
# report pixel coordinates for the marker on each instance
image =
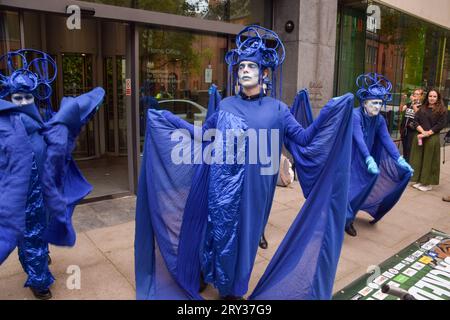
(375, 194)
(302, 111)
(172, 213)
(214, 100)
(301, 108)
(63, 184)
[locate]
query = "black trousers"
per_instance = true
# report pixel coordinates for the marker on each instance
(407, 141)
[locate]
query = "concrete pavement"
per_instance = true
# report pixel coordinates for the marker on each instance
(104, 250)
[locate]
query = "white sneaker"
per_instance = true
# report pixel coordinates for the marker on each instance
(425, 188)
(417, 185)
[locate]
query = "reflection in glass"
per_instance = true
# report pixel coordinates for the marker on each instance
(233, 11)
(77, 79)
(83, 58)
(121, 110)
(109, 104)
(176, 70)
(9, 36)
(351, 37)
(115, 111)
(9, 32)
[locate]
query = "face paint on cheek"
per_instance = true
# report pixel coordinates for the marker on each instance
(373, 107)
(248, 74)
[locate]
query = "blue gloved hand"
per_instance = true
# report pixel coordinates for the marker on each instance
(211, 89)
(372, 166)
(402, 162)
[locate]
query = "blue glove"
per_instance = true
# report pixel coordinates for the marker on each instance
(372, 166)
(402, 162)
(211, 89)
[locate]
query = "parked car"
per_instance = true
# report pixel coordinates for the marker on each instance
(392, 115)
(187, 110)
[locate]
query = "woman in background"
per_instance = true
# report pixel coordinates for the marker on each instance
(426, 153)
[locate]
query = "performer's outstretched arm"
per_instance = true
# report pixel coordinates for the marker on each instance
(181, 124)
(358, 137)
(358, 140)
(297, 133)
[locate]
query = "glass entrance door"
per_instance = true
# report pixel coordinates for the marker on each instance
(77, 76)
(115, 111)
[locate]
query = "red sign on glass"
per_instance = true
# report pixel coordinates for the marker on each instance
(128, 87)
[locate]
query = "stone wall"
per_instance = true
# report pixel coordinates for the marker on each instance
(310, 48)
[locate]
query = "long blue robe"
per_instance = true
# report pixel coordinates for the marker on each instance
(24, 137)
(375, 194)
(178, 202)
(199, 217)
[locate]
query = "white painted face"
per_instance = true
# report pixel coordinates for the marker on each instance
(248, 74)
(373, 107)
(22, 99)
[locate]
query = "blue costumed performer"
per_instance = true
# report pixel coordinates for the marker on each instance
(202, 214)
(379, 174)
(40, 183)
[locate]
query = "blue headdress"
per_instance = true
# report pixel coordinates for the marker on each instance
(373, 86)
(262, 46)
(27, 70)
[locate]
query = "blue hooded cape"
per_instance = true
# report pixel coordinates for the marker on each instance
(193, 217)
(24, 135)
(375, 194)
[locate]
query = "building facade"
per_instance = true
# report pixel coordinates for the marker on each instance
(171, 51)
(408, 44)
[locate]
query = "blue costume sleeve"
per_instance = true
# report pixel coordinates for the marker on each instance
(296, 133)
(305, 264)
(15, 170)
(63, 184)
(301, 136)
(358, 136)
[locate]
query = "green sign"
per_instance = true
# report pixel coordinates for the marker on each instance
(422, 269)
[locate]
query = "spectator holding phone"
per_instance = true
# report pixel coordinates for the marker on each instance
(407, 126)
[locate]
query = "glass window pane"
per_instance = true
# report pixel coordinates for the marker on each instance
(172, 71)
(233, 11)
(78, 79)
(410, 52)
(9, 35)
